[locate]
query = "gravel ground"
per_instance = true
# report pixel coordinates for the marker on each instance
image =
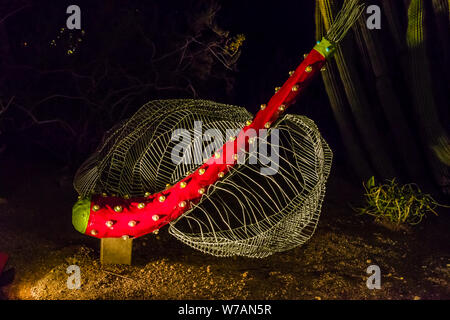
(36, 230)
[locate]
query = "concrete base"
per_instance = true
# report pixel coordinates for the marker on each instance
(115, 251)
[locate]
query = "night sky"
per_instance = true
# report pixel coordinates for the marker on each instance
(116, 41)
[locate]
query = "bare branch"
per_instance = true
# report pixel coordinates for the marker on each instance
(4, 108)
(13, 12)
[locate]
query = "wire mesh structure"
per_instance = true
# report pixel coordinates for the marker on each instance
(247, 213)
(135, 156)
(255, 215)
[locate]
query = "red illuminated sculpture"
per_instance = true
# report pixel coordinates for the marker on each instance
(105, 215)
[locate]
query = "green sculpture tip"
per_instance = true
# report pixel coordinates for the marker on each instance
(80, 214)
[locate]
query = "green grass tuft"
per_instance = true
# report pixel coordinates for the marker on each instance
(396, 203)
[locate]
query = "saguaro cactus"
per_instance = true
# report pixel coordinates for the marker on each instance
(387, 91)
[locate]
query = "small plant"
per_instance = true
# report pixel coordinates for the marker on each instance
(395, 203)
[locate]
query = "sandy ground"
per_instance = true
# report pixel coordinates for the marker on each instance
(36, 230)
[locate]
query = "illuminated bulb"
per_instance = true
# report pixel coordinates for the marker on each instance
(235, 157)
(201, 171)
(267, 125)
(94, 232)
(248, 122)
(183, 184)
(182, 204)
(201, 190)
(141, 205)
(277, 89)
(156, 231)
(282, 108)
(118, 208)
(221, 174)
(232, 138)
(147, 194)
(323, 69)
(96, 207)
(305, 55)
(125, 237)
(126, 196)
(109, 223)
(162, 198)
(132, 223)
(291, 73)
(295, 88)
(217, 155)
(308, 69)
(263, 106)
(79, 198)
(104, 194)
(155, 217)
(251, 140)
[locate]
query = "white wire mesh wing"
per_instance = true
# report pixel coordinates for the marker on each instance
(135, 157)
(255, 215)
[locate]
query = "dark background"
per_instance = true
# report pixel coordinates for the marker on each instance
(130, 52)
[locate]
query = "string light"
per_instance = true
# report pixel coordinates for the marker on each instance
(109, 223)
(132, 223)
(141, 205)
